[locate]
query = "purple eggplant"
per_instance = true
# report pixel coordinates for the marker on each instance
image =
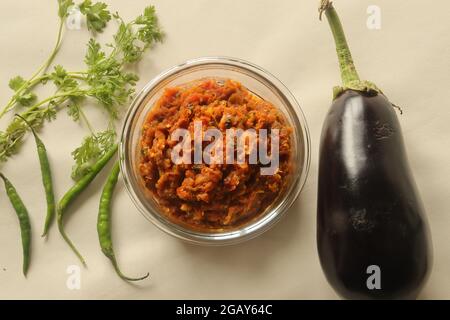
(372, 233)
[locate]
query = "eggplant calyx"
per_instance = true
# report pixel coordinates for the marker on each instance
(366, 87)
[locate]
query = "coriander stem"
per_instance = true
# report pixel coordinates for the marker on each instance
(30, 83)
(35, 107)
(55, 50)
(65, 94)
(347, 66)
(86, 121)
(76, 76)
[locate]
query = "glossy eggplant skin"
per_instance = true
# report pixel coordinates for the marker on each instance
(369, 211)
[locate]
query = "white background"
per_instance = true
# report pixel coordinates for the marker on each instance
(409, 58)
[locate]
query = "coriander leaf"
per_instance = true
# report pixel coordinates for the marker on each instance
(74, 107)
(49, 114)
(62, 80)
(59, 72)
(84, 157)
(106, 139)
(63, 7)
(108, 83)
(132, 39)
(94, 53)
(125, 39)
(97, 15)
(73, 110)
(16, 83)
(91, 150)
(26, 99)
(23, 97)
(150, 31)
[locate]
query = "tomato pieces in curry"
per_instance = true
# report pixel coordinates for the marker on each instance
(211, 196)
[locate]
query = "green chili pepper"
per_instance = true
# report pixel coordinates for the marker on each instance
(71, 195)
(46, 177)
(104, 222)
(24, 221)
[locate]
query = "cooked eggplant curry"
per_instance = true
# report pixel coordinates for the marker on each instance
(217, 195)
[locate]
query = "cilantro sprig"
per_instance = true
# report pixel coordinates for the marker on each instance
(106, 80)
(97, 16)
(92, 148)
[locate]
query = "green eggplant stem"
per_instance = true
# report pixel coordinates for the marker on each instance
(349, 74)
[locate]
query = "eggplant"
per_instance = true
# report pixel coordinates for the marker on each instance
(372, 233)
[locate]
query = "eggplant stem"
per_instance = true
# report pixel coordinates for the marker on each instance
(324, 5)
(349, 74)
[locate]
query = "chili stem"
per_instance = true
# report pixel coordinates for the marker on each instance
(46, 176)
(26, 113)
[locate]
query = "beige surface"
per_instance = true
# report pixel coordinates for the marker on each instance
(409, 58)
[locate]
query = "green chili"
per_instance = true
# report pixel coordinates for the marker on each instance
(46, 174)
(24, 221)
(104, 222)
(73, 192)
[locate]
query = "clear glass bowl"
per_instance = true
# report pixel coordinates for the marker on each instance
(260, 83)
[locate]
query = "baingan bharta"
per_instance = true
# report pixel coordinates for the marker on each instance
(222, 194)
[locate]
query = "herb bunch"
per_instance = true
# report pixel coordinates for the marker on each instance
(97, 17)
(105, 80)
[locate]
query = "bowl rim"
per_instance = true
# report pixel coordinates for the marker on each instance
(261, 224)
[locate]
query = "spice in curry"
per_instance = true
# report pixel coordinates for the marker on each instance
(217, 195)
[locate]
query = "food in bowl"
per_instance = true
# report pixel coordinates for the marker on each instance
(259, 83)
(236, 187)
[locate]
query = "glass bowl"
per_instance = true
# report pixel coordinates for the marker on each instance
(256, 80)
